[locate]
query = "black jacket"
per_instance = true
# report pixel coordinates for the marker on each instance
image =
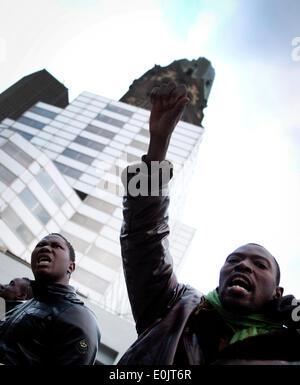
(52, 328)
(164, 309)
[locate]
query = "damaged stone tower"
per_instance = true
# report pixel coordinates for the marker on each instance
(198, 76)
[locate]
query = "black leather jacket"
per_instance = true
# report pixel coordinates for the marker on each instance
(10, 304)
(164, 309)
(52, 328)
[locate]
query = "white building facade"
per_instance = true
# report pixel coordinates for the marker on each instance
(60, 172)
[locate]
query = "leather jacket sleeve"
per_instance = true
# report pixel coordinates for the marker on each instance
(75, 337)
(147, 264)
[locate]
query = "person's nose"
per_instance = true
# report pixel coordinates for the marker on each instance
(243, 266)
(45, 249)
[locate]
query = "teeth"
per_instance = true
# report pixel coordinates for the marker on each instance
(44, 262)
(239, 287)
(238, 281)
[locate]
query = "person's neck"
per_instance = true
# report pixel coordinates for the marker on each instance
(46, 282)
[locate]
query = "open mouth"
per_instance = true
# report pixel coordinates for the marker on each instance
(240, 283)
(44, 260)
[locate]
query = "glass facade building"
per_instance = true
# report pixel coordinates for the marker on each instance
(60, 172)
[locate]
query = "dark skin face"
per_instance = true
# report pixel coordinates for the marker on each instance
(248, 280)
(50, 261)
(17, 289)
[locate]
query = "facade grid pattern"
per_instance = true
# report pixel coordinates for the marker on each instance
(61, 169)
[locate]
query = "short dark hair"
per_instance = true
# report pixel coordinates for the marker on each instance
(70, 247)
(277, 277)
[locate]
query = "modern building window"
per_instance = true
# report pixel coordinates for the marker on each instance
(49, 186)
(16, 225)
(100, 131)
(90, 280)
(110, 120)
(87, 222)
(119, 110)
(140, 145)
(6, 176)
(31, 122)
(19, 155)
(78, 244)
(104, 257)
(144, 132)
(34, 205)
(67, 170)
(132, 158)
(100, 204)
(77, 156)
(43, 112)
(89, 143)
(25, 135)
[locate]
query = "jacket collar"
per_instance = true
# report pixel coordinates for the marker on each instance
(46, 291)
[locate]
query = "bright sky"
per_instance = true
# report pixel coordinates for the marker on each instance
(246, 186)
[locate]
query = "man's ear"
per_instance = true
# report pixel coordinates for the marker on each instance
(278, 292)
(71, 267)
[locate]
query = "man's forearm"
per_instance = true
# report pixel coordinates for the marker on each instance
(158, 147)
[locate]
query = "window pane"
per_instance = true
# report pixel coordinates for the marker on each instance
(104, 257)
(89, 143)
(100, 204)
(67, 170)
(145, 132)
(87, 222)
(28, 198)
(25, 233)
(43, 112)
(24, 134)
(34, 205)
(6, 176)
(119, 110)
(31, 122)
(42, 214)
(100, 131)
(48, 184)
(132, 158)
(44, 180)
(77, 243)
(109, 120)
(57, 195)
(90, 280)
(17, 226)
(77, 156)
(140, 145)
(16, 153)
(11, 218)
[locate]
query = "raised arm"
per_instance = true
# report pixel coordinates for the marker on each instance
(168, 102)
(150, 280)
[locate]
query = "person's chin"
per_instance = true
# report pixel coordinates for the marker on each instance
(42, 274)
(237, 302)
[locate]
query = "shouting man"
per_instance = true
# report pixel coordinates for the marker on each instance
(245, 320)
(54, 327)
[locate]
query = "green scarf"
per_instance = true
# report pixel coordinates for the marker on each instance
(243, 326)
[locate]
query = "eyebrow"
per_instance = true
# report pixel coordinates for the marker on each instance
(50, 242)
(254, 256)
